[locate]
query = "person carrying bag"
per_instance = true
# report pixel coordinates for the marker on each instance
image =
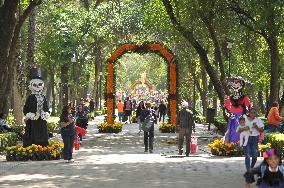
(148, 119)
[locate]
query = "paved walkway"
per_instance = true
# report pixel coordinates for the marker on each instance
(119, 161)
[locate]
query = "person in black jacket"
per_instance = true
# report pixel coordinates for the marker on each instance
(162, 111)
(148, 135)
(139, 109)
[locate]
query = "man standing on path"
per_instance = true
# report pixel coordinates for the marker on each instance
(185, 126)
(120, 106)
(149, 114)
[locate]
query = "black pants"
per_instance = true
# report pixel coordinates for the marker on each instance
(149, 139)
(187, 134)
(162, 115)
(68, 140)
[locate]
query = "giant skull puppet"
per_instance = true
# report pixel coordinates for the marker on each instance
(235, 105)
(36, 112)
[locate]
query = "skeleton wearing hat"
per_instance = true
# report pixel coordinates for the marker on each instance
(36, 112)
(235, 105)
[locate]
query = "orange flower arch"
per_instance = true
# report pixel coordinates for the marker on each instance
(154, 47)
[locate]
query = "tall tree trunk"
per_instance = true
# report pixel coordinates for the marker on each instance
(260, 100)
(274, 69)
(64, 83)
(9, 33)
(281, 104)
(204, 90)
(98, 61)
(18, 86)
(31, 39)
(52, 80)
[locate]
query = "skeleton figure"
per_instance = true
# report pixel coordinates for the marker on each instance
(235, 105)
(36, 112)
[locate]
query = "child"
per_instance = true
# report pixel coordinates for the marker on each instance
(270, 172)
(244, 130)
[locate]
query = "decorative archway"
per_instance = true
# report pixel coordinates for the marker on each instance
(144, 48)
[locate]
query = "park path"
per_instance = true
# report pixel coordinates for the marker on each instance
(119, 161)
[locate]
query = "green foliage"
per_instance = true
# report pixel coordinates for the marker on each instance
(199, 119)
(220, 123)
(276, 140)
(7, 139)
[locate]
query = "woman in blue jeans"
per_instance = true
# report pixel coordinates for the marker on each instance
(68, 133)
(256, 126)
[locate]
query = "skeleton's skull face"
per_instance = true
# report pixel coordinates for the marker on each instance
(236, 85)
(36, 86)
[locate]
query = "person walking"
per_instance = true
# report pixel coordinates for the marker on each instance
(81, 120)
(139, 109)
(274, 119)
(120, 106)
(92, 106)
(185, 126)
(147, 115)
(256, 126)
(127, 108)
(162, 111)
(68, 133)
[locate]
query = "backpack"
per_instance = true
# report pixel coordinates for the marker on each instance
(148, 123)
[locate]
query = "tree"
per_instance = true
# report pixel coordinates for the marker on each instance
(9, 33)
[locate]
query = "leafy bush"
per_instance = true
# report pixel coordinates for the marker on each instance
(34, 152)
(98, 113)
(52, 123)
(199, 119)
(106, 128)
(276, 140)
(167, 128)
(133, 119)
(220, 148)
(221, 124)
(7, 139)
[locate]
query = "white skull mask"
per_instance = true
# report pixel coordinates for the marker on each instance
(36, 86)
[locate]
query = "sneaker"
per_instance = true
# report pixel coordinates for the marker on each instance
(65, 161)
(151, 151)
(71, 161)
(146, 151)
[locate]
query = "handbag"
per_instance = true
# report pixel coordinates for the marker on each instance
(148, 123)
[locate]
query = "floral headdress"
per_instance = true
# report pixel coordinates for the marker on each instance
(269, 152)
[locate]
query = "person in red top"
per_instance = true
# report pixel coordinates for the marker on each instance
(274, 119)
(120, 107)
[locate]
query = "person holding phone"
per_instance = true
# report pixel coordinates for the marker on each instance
(256, 126)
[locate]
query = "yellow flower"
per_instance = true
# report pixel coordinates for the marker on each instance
(30, 151)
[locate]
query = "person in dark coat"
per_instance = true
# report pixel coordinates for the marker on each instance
(185, 126)
(148, 136)
(162, 111)
(139, 109)
(36, 113)
(81, 119)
